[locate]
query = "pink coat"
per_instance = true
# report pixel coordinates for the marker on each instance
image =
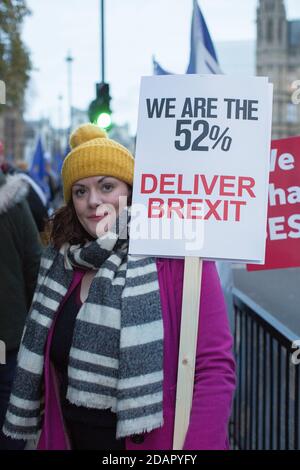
(214, 373)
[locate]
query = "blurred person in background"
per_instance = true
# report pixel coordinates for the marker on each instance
(36, 198)
(20, 252)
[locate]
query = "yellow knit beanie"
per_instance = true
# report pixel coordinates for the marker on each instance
(93, 153)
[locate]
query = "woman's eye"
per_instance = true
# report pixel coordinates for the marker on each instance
(79, 192)
(107, 187)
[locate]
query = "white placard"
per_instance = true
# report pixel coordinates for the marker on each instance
(202, 167)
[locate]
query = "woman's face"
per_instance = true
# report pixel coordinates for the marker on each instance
(97, 202)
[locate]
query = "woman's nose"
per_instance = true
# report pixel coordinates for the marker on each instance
(94, 199)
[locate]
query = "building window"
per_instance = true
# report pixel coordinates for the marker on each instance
(259, 31)
(280, 27)
(292, 115)
(270, 30)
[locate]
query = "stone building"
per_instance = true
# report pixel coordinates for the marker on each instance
(278, 57)
(12, 132)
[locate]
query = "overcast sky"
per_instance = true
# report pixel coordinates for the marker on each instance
(135, 30)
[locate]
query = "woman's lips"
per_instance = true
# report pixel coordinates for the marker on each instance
(96, 218)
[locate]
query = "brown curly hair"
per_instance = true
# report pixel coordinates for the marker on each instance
(63, 226)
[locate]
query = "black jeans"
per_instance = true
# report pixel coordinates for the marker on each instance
(84, 436)
(7, 372)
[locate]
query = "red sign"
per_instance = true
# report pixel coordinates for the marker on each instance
(283, 226)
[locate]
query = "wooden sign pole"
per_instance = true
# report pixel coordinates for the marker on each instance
(187, 348)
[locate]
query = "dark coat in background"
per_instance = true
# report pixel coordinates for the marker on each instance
(20, 252)
(36, 199)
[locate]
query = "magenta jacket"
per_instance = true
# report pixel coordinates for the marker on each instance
(214, 373)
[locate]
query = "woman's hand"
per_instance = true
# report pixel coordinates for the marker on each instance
(109, 217)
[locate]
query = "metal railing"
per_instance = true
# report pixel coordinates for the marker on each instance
(266, 405)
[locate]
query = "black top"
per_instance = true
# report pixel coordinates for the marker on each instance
(59, 356)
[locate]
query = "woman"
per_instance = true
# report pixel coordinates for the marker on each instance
(104, 326)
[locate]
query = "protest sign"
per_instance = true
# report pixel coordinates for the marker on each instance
(200, 188)
(202, 167)
(283, 224)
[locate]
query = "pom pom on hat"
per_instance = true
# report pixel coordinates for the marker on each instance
(94, 154)
(85, 133)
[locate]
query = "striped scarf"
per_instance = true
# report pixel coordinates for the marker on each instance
(116, 358)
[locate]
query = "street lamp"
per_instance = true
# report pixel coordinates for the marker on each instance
(102, 40)
(59, 132)
(99, 109)
(69, 60)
